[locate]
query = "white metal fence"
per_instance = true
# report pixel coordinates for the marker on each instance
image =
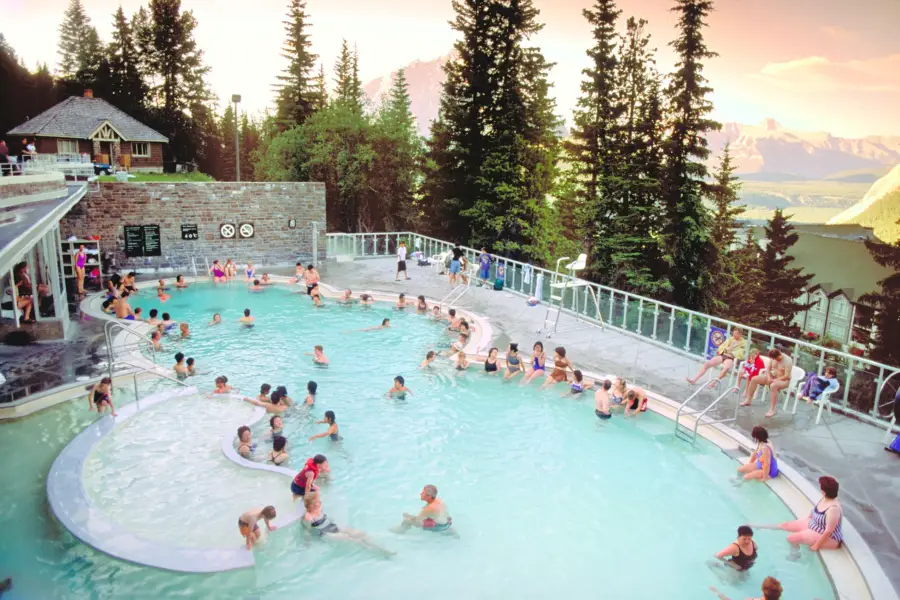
(867, 387)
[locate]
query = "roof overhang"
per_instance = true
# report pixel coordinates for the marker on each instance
(104, 128)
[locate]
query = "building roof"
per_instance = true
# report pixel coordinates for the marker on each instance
(831, 291)
(78, 117)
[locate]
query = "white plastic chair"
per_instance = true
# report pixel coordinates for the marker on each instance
(823, 401)
(437, 261)
(797, 377)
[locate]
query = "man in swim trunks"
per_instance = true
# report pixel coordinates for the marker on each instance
(123, 308)
(312, 279)
(180, 369)
(601, 400)
(246, 320)
(248, 523)
(434, 517)
(635, 401)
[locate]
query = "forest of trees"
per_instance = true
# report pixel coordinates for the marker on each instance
(630, 186)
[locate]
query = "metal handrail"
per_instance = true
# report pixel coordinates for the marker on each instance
(700, 389)
(698, 415)
(652, 316)
(108, 328)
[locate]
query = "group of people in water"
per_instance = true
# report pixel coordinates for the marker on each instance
(820, 531)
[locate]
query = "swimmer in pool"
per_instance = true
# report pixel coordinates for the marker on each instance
(491, 362)
(462, 363)
(399, 389)
(316, 521)
(771, 590)
(217, 272)
(245, 443)
(278, 454)
(190, 367)
(421, 305)
(436, 313)
(459, 345)
(578, 385)
(249, 527)
(617, 394)
(538, 358)
(264, 390)
(739, 555)
(346, 297)
(273, 406)
(318, 355)
(254, 286)
(434, 517)
(138, 314)
(153, 320)
(180, 369)
(513, 362)
(366, 300)
(167, 322)
(185, 329)
(276, 426)
(601, 401)
(316, 298)
(123, 308)
(429, 358)
(247, 320)
(635, 401)
(217, 318)
(311, 389)
(454, 320)
(155, 339)
(401, 302)
(332, 432)
(283, 393)
(179, 282)
(222, 386)
(161, 292)
(101, 396)
(266, 280)
(385, 324)
(304, 482)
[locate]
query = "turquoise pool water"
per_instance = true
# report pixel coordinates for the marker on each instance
(546, 499)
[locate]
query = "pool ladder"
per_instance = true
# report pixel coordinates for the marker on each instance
(455, 294)
(687, 432)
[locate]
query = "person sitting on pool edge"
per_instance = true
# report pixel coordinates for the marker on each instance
(740, 555)
(601, 401)
(560, 366)
(303, 483)
(433, 517)
(399, 389)
(763, 464)
(249, 527)
(578, 383)
(332, 432)
(513, 362)
(245, 442)
(730, 351)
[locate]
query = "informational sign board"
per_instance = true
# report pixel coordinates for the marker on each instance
(190, 232)
(717, 336)
(142, 240)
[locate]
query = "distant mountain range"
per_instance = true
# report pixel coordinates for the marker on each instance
(879, 208)
(764, 152)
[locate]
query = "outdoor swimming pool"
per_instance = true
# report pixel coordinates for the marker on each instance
(546, 499)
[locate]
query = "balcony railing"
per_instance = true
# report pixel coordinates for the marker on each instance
(675, 328)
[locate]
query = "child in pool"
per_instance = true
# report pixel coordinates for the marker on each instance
(190, 367)
(101, 396)
(311, 389)
(255, 286)
(399, 388)
(429, 358)
(222, 386)
(185, 330)
(217, 318)
(179, 282)
(332, 431)
(264, 390)
(462, 363)
(578, 384)
(276, 426)
(318, 355)
(161, 294)
(247, 320)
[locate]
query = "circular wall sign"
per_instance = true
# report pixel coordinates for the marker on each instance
(247, 230)
(227, 230)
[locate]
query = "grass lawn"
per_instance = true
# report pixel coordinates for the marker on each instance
(161, 177)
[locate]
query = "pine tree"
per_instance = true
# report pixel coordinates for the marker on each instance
(724, 195)
(348, 88)
(885, 303)
(75, 39)
(741, 291)
(591, 149)
(321, 89)
(142, 34)
(225, 132)
(297, 93)
(175, 58)
(783, 284)
(687, 242)
(126, 87)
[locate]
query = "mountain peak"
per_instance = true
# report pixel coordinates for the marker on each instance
(770, 124)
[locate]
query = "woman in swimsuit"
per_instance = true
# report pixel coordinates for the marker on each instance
(762, 464)
(316, 521)
(617, 395)
(80, 260)
(217, 272)
(245, 442)
(278, 454)
(250, 271)
(741, 554)
(421, 305)
(276, 426)
(101, 396)
(332, 432)
(538, 358)
(230, 269)
(822, 531)
(513, 363)
(560, 364)
(24, 292)
(490, 363)
(179, 282)
(578, 384)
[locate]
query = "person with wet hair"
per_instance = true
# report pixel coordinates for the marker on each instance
(247, 320)
(333, 432)
(276, 426)
(248, 524)
(100, 396)
(264, 390)
(399, 389)
(741, 554)
(601, 401)
(245, 442)
(283, 394)
(429, 358)
(434, 517)
(311, 388)
(278, 454)
(180, 369)
(771, 590)
(491, 362)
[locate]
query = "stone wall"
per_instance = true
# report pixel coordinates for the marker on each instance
(20, 186)
(268, 206)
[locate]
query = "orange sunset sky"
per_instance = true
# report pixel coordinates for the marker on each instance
(819, 65)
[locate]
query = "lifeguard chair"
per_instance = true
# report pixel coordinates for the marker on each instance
(563, 281)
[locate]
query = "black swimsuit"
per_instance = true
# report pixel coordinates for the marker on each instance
(100, 397)
(744, 561)
(490, 367)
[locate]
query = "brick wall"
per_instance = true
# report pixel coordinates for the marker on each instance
(268, 206)
(154, 161)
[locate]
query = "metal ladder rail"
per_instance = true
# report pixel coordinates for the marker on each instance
(554, 280)
(194, 266)
(454, 295)
(108, 329)
(580, 319)
(698, 418)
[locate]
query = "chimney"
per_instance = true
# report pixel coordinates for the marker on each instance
(88, 93)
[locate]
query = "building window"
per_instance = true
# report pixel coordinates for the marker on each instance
(140, 149)
(840, 308)
(67, 146)
(815, 324)
(838, 332)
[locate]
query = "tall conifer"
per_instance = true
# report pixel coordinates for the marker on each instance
(783, 284)
(126, 87)
(297, 93)
(886, 304)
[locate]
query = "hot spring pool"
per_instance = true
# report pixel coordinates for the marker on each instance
(546, 499)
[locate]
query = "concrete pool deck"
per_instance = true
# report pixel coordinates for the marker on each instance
(847, 449)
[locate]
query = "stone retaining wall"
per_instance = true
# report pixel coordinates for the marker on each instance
(267, 206)
(20, 186)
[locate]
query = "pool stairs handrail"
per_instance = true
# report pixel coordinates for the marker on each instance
(455, 294)
(688, 434)
(108, 330)
(564, 282)
(194, 266)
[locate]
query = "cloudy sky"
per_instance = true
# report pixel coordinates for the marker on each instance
(819, 65)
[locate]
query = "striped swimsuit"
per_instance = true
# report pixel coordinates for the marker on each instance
(817, 523)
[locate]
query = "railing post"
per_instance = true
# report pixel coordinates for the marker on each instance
(625, 313)
(878, 384)
(612, 307)
(655, 319)
(687, 338)
(640, 316)
(671, 326)
(137, 398)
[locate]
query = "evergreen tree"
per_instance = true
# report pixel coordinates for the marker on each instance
(321, 89)
(79, 44)
(740, 293)
(886, 303)
(250, 141)
(591, 148)
(297, 90)
(686, 238)
(348, 88)
(126, 87)
(783, 284)
(724, 195)
(226, 171)
(142, 34)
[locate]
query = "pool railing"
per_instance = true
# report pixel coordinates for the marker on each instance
(680, 330)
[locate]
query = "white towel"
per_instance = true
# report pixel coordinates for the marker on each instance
(538, 286)
(526, 274)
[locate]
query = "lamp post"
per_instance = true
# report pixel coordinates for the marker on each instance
(237, 142)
